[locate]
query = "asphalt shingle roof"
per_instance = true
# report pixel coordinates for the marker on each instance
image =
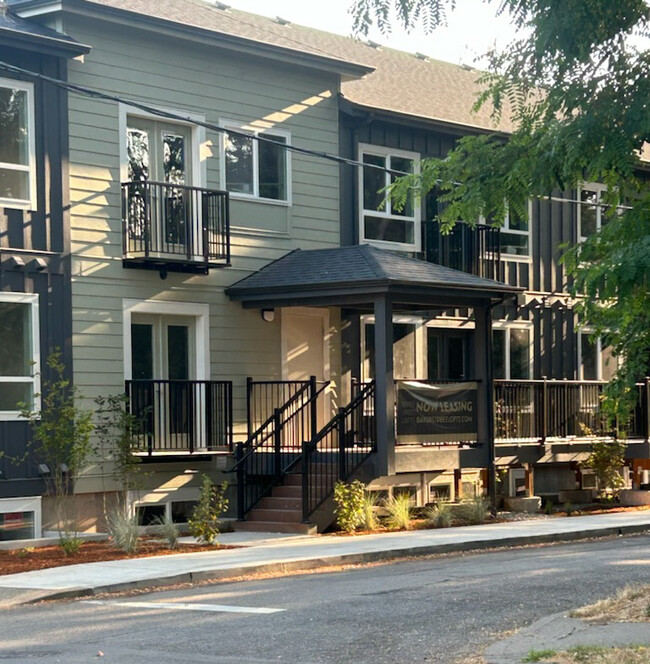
(400, 83)
(355, 267)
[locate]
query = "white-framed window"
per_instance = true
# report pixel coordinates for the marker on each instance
(592, 211)
(19, 353)
(20, 518)
(515, 236)
(512, 350)
(253, 169)
(379, 222)
(17, 145)
(594, 361)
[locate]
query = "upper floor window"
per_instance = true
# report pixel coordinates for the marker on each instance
(252, 168)
(19, 353)
(380, 222)
(594, 361)
(515, 234)
(17, 154)
(512, 351)
(592, 212)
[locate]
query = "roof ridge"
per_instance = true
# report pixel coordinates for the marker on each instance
(368, 254)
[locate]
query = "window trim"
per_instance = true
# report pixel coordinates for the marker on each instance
(29, 203)
(25, 504)
(254, 131)
(198, 139)
(599, 354)
(598, 188)
(517, 325)
(383, 151)
(35, 378)
(516, 258)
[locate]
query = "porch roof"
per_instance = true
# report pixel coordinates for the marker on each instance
(353, 276)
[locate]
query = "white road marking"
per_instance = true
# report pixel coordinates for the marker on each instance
(186, 606)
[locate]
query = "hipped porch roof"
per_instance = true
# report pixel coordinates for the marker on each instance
(355, 276)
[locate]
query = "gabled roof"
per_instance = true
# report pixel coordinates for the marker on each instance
(33, 36)
(361, 270)
(395, 82)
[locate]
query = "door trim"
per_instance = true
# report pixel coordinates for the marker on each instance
(201, 312)
(324, 315)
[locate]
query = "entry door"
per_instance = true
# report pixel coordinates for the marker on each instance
(160, 152)
(448, 354)
(162, 356)
(305, 354)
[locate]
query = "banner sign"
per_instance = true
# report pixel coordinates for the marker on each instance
(436, 412)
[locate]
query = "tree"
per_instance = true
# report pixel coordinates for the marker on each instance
(606, 460)
(575, 88)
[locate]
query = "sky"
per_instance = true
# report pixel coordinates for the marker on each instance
(473, 27)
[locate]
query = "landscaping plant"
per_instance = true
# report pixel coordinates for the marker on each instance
(349, 499)
(204, 522)
(61, 432)
(606, 460)
(168, 529)
(370, 520)
(123, 529)
(399, 512)
(440, 515)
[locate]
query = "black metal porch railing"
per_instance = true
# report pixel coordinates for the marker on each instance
(183, 416)
(172, 223)
(543, 409)
(474, 250)
(338, 450)
(275, 447)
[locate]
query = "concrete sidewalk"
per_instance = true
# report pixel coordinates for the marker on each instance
(270, 553)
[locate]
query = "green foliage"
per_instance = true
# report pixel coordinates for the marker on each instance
(568, 508)
(573, 93)
(70, 545)
(204, 522)
(115, 429)
(399, 511)
(61, 440)
(476, 510)
(548, 507)
(123, 530)
(369, 519)
(538, 655)
(606, 460)
(440, 515)
(350, 505)
(168, 529)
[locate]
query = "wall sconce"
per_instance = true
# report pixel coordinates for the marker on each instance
(268, 315)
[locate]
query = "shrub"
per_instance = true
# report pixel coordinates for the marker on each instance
(349, 499)
(123, 530)
(204, 522)
(474, 511)
(440, 516)
(370, 520)
(605, 460)
(548, 507)
(168, 529)
(70, 545)
(399, 512)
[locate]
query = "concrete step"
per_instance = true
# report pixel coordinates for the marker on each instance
(289, 516)
(276, 527)
(293, 479)
(280, 503)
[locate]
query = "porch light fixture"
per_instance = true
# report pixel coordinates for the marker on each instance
(268, 315)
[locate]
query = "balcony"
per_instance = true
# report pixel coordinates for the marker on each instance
(180, 417)
(472, 250)
(170, 227)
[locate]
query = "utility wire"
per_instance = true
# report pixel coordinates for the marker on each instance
(97, 94)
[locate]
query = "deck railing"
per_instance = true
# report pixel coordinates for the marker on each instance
(473, 250)
(181, 416)
(543, 409)
(173, 223)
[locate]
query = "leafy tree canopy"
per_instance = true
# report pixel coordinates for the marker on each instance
(575, 87)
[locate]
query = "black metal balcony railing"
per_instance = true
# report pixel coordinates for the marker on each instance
(473, 250)
(559, 409)
(171, 223)
(181, 416)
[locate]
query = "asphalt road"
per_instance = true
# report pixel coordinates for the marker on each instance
(424, 611)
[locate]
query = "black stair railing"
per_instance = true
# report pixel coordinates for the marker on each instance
(275, 447)
(339, 449)
(166, 222)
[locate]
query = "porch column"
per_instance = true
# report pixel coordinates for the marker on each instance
(384, 386)
(483, 357)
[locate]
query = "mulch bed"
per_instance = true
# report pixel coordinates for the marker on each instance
(27, 560)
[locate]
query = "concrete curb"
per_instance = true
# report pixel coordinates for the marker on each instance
(309, 564)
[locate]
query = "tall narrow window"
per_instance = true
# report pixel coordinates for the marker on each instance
(381, 221)
(17, 159)
(511, 352)
(594, 361)
(19, 353)
(515, 234)
(592, 211)
(256, 168)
